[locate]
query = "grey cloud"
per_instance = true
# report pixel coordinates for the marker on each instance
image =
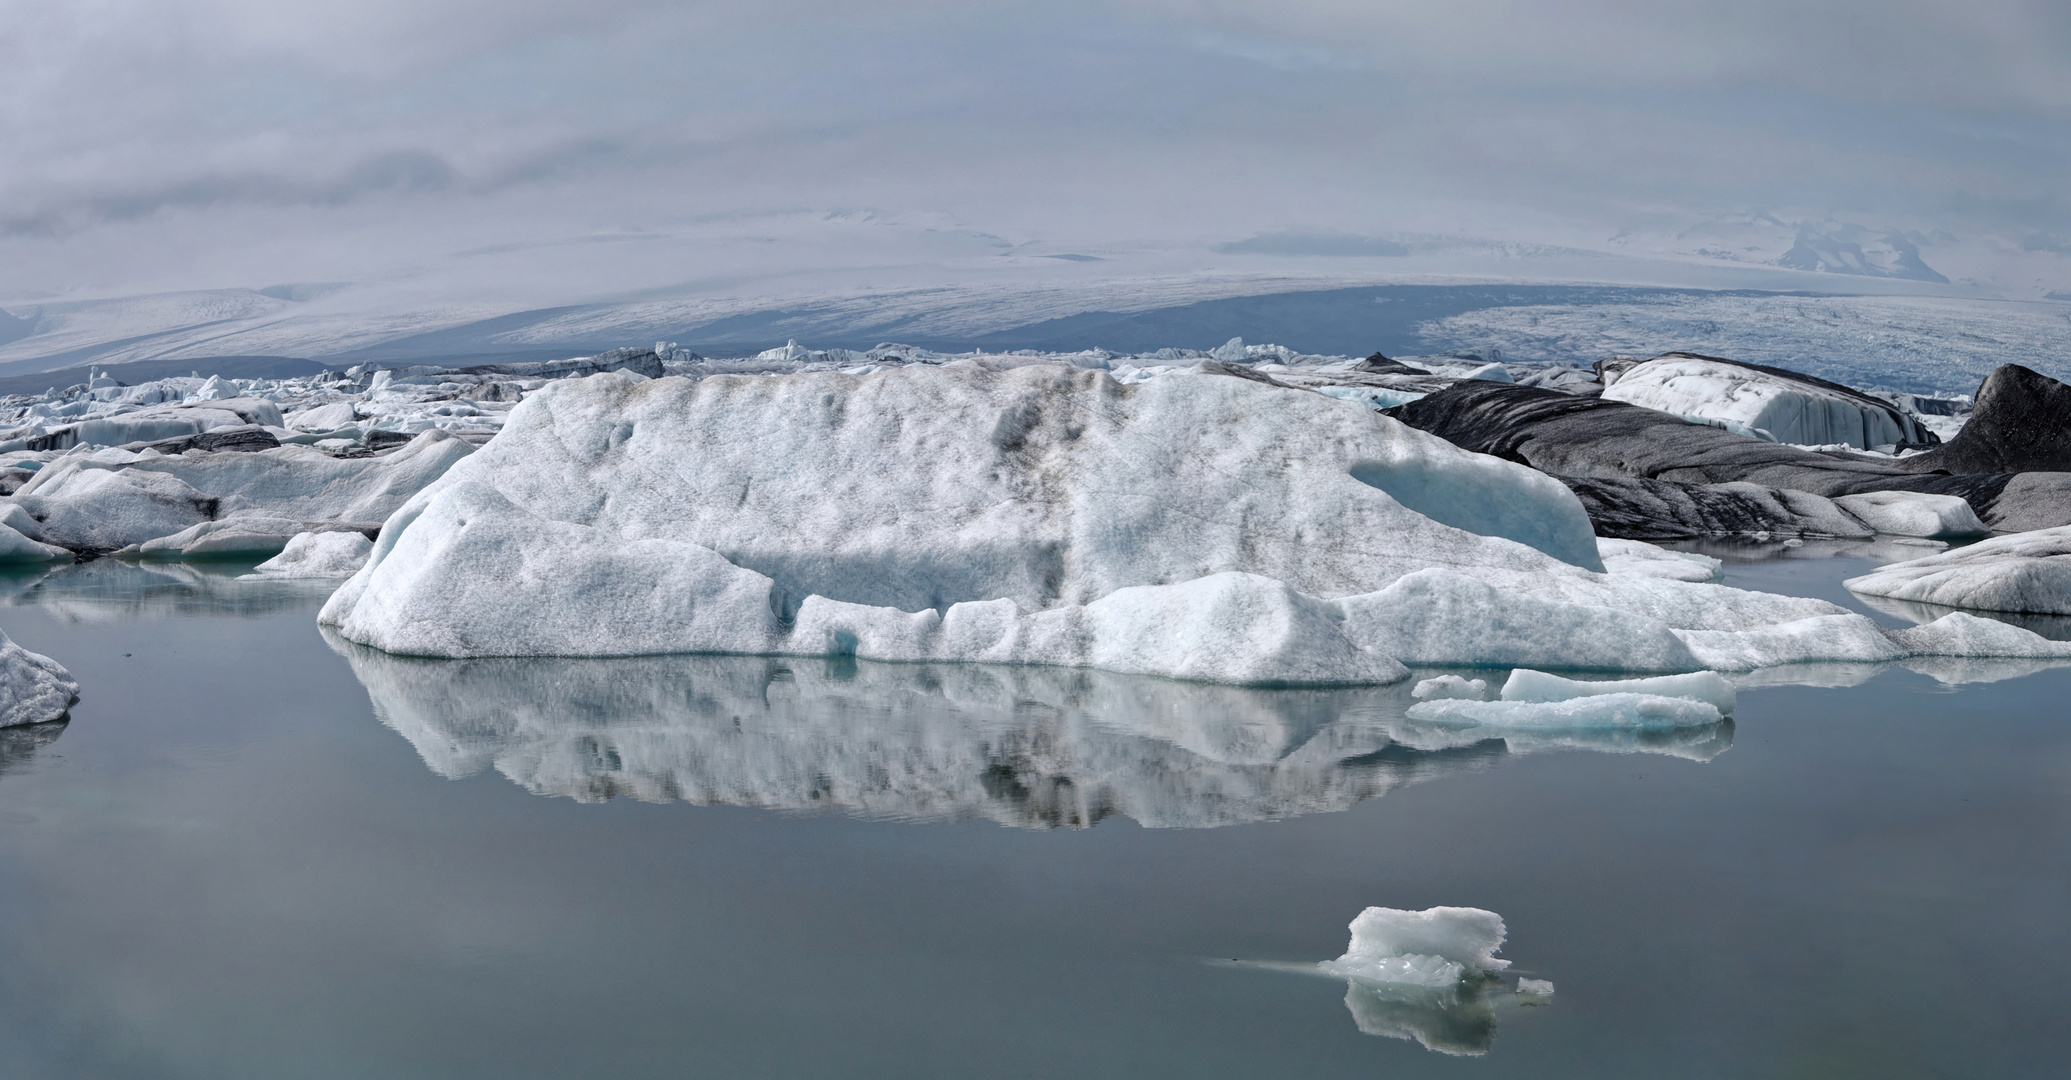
(273, 131)
(400, 172)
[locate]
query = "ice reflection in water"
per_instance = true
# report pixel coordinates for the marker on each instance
(110, 590)
(2053, 627)
(19, 744)
(1451, 1020)
(1027, 746)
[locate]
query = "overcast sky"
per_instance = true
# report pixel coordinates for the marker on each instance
(159, 144)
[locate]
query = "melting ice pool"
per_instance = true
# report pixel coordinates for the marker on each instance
(227, 866)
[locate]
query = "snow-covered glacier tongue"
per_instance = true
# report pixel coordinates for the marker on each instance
(1209, 524)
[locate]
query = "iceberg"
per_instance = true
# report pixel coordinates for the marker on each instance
(1709, 687)
(1205, 525)
(107, 500)
(1769, 403)
(1914, 513)
(318, 555)
(34, 689)
(2023, 572)
(1435, 947)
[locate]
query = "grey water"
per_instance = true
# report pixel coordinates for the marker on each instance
(256, 852)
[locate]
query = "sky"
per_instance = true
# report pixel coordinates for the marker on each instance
(539, 152)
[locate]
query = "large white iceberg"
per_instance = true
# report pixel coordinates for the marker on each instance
(318, 555)
(1202, 526)
(34, 689)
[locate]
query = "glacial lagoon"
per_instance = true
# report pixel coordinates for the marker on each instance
(258, 851)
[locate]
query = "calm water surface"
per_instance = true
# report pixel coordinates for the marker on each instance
(257, 853)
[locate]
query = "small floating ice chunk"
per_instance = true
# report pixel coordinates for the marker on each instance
(1706, 686)
(34, 689)
(1538, 987)
(1438, 946)
(319, 554)
(1643, 711)
(1450, 686)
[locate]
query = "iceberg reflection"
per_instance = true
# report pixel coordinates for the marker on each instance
(112, 590)
(2053, 627)
(19, 744)
(1451, 1020)
(1026, 746)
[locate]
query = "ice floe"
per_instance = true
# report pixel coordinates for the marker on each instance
(1438, 946)
(1450, 686)
(1709, 687)
(318, 555)
(107, 500)
(34, 689)
(2022, 572)
(1426, 976)
(1914, 513)
(1647, 560)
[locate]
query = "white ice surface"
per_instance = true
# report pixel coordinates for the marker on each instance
(1450, 686)
(2029, 572)
(1435, 947)
(1535, 986)
(34, 689)
(111, 498)
(319, 554)
(1195, 525)
(1914, 513)
(16, 548)
(1753, 402)
(1647, 560)
(1710, 687)
(1959, 634)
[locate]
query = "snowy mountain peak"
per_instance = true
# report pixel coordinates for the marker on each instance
(1852, 249)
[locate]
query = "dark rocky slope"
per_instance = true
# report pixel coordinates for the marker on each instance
(1590, 438)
